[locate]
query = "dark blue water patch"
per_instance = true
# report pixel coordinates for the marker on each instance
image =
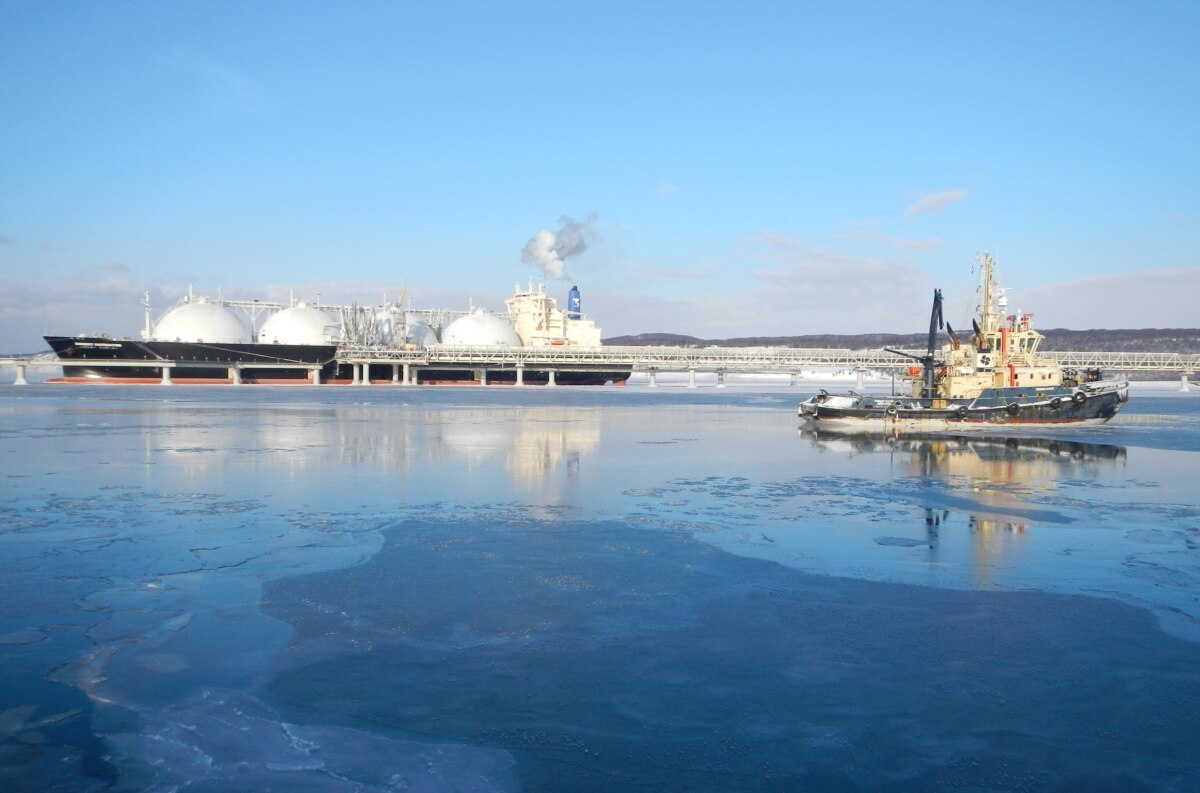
(610, 658)
(47, 738)
(903, 542)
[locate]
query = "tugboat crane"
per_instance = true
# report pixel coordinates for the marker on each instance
(928, 361)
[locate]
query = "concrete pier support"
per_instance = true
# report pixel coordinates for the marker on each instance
(316, 376)
(691, 378)
(20, 375)
(407, 374)
(166, 378)
(235, 375)
(413, 377)
(353, 374)
(551, 381)
(795, 380)
(483, 376)
(720, 379)
(520, 375)
(395, 373)
(653, 379)
(858, 379)
(366, 375)
(1184, 386)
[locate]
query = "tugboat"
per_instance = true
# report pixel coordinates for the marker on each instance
(993, 379)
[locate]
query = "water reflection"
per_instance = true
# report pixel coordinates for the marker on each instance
(531, 443)
(997, 485)
(985, 447)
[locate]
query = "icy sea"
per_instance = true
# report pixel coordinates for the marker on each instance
(606, 589)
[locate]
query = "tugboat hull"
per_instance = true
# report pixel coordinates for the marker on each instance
(1095, 403)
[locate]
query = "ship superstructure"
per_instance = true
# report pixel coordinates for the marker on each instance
(1000, 352)
(538, 321)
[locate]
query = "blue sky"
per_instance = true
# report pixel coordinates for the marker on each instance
(739, 169)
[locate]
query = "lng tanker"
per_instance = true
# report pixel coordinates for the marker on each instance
(298, 342)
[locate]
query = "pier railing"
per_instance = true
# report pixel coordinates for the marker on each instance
(650, 360)
(728, 359)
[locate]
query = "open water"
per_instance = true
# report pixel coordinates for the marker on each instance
(387, 588)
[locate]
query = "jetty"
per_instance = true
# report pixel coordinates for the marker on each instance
(650, 361)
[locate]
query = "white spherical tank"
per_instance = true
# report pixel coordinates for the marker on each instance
(419, 333)
(480, 329)
(202, 321)
(300, 324)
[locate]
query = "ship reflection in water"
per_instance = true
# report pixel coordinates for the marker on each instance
(996, 483)
(539, 448)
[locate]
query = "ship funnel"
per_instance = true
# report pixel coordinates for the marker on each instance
(573, 305)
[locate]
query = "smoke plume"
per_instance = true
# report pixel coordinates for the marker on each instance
(548, 249)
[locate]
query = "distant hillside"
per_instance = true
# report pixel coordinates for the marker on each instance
(1180, 340)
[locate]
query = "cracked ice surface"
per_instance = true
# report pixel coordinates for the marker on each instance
(393, 588)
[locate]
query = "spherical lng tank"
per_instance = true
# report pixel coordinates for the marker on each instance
(418, 332)
(202, 321)
(300, 324)
(480, 330)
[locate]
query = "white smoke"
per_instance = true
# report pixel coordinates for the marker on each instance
(547, 249)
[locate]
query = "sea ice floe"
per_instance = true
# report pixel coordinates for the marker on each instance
(221, 739)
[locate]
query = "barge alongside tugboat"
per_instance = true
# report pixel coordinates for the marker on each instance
(995, 379)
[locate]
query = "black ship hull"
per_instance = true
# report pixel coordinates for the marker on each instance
(98, 359)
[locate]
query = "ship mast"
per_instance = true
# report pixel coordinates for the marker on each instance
(986, 314)
(146, 306)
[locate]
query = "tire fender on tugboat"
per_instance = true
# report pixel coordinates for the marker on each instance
(1079, 397)
(1013, 408)
(961, 412)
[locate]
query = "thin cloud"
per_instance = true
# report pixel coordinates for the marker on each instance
(890, 240)
(935, 202)
(784, 242)
(226, 85)
(675, 274)
(666, 189)
(1156, 298)
(812, 288)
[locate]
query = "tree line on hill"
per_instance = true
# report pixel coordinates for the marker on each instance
(1177, 340)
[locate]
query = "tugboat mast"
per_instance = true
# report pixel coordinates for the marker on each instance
(987, 313)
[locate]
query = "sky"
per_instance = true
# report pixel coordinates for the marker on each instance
(712, 169)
